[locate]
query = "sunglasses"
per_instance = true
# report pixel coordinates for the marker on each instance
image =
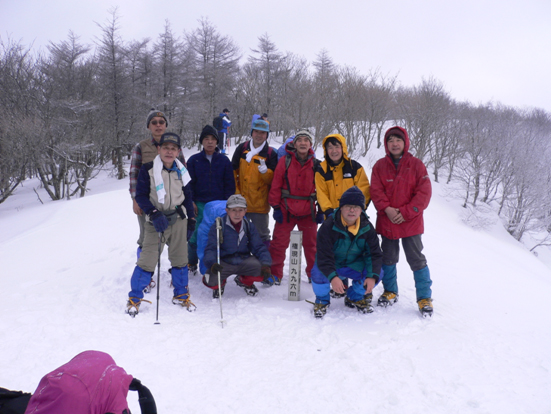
(161, 122)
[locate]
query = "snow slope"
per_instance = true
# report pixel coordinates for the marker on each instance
(65, 273)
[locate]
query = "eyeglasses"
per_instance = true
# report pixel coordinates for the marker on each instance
(351, 207)
(161, 122)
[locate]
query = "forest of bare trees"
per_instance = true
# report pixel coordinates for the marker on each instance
(76, 108)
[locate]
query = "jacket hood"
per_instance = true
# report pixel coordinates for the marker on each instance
(90, 383)
(342, 141)
(397, 131)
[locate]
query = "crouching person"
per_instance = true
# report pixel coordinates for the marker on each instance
(164, 194)
(242, 251)
(347, 248)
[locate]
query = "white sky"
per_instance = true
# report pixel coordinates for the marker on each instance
(481, 50)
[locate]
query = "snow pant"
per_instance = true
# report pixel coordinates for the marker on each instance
(322, 286)
(175, 237)
(262, 224)
(248, 269)
(141, 223)
(222, 136)
(282, 236)
(141, 278)
(192, 243)
(416, 260)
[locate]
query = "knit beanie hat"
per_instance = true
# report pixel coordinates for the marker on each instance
(395, 132)
(152, 114)
(304, 133)
(208, 130)
(354, 197)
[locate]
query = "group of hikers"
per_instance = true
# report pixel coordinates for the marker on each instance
(178, 203)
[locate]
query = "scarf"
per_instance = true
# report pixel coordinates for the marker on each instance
(158, 177)
(253, 151)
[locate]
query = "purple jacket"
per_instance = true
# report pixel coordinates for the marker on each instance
(90, 383)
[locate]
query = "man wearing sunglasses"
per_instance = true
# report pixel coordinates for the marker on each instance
(145, 151)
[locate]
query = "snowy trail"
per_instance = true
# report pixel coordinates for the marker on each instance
(65, 275)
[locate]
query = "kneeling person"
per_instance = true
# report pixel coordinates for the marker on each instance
(348, 248)
(163, 193)
(242, 251)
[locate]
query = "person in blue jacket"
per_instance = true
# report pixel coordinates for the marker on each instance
(347, 248)
(223, 130)
(211, 179)
(242, 251)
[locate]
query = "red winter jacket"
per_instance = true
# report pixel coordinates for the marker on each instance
(407, 188)
(301, 180)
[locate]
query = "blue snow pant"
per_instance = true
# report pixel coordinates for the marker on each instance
(416, 260)
(322, 286)
(141, 278)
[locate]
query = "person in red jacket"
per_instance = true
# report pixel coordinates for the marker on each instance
(293, 198)
(401, 191)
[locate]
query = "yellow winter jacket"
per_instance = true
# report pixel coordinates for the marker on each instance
(249, 182)
(333, 181)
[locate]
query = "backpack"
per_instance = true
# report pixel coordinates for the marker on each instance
(218, 123)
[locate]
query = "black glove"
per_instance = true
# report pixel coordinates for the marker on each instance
(319, 218)
(190, 228)
(215, 268)
(265, 272)
(278, 215)
(328, 212)
(159, 220)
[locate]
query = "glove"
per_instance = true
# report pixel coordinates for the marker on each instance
(320, 217)
(159, 220)
(328, 212)
(215, 268)
(265, 272)
(262, 167)
(190, 228)
(278, 215)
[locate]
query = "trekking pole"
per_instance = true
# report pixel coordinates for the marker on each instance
(218, 233)
(159, 277)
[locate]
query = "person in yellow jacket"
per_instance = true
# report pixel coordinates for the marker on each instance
(337, 173)
(253, 164)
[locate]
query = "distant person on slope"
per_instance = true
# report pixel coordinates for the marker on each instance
(401, 191)
(337, 173)
(222, 124)
(163, 193)
(347, 248)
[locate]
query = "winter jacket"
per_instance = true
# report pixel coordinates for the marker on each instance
(211, 180)
(176, 194)
(300, 178)
(226, 123)
(91, 383)
(338, 248)
(236, 247)
(406, 188)
(143, 152)
(333, 181)
(249, 182)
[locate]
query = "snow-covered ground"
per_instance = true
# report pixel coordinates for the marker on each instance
(65, 273)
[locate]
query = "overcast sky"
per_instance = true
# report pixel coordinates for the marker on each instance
(481, 50)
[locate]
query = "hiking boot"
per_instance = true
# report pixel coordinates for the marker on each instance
(272, 280)
(336, 295)
(216, 293)
(133, 306)
(425, 307)
(361, 305)
(320, 309)
(368, 297)
(249, 290)
(387, 298)
(192, 269)
(149, 287)
(183, 300)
